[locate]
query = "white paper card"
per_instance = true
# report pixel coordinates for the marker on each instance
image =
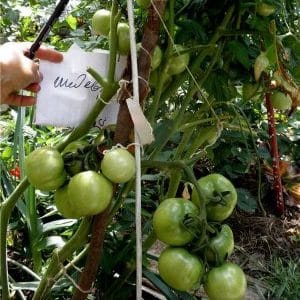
(68, 92)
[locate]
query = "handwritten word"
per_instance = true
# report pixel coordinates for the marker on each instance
(80, 81)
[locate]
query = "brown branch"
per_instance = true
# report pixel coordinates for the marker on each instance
(277, 184)
(123, 129)
(89, 273)
(149, 41)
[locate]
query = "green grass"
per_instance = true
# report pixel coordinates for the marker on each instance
(284, 279)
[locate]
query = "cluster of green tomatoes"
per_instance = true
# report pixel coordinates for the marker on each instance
(78, 192)
(177, 61)
(196, 255)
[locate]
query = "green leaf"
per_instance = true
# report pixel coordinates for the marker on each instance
(157, 281)
(240, 53)
(246, 201)
(72, 21)
(58, 224)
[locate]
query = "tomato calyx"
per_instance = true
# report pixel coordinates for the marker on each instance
(218, 198)
(193, 224)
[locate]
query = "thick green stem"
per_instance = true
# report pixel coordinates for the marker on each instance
(59, 256)
(173, 184)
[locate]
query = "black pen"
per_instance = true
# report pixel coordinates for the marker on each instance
(46, 28)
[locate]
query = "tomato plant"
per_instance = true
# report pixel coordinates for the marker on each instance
(265, 9)
(227, 282)
(220, 246)
(168, 221)
(220, 194)
(118, 165)
(101, 22)
(45, 169)
(143, 3)
(180, 269)
(123, 38)
(89, 193)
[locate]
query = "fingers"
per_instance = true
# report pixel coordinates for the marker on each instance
(20, 100)
(49, 54)
(34, 87)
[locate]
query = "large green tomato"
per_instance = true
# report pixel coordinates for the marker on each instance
(89, 193)
(220, 246)
(64, 205)
(101, 22)
(45, 169)
(168, 221)
(74, 166)
(220, 194)
(123, 38)
(178, 63)
(118, 165)
(281, 101)
(180, 269)
(227, 282)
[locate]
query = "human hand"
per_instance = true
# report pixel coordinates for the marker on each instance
(19, 72)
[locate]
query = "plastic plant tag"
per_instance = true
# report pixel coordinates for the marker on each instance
(69, 92)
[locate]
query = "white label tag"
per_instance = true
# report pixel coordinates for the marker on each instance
(68, 92)
(141, 124)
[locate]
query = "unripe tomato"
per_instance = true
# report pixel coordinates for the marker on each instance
(168, 221)
(178, 63)
(260, 65)
(89, 193)
(180, 269)
(264, 9)
(118, 165)
(221, 196)
(123, 38)
(156, 58)
(227, 282)
(281, 101)
(64, 205)
(45, 169)
(101, 22)
(220, 246)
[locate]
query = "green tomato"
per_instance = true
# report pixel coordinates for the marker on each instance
(178, 63)
(227, 282)
(180, 269)
(45, 169)
(63, 204)
(123, 38)
(281, 101)
(89, 193)
(264, 9)
(74, 165)
(168, 221)
(118, 165)
(220, 247)
(220, 194)
(156, 58)
(101, 22)
(143, 3)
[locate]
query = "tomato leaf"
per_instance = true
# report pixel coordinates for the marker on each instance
(240, 53)
(160, 285)
(246, 201)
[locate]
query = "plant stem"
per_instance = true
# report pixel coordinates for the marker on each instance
(5, 212)
(59, 256)
(277, 184)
